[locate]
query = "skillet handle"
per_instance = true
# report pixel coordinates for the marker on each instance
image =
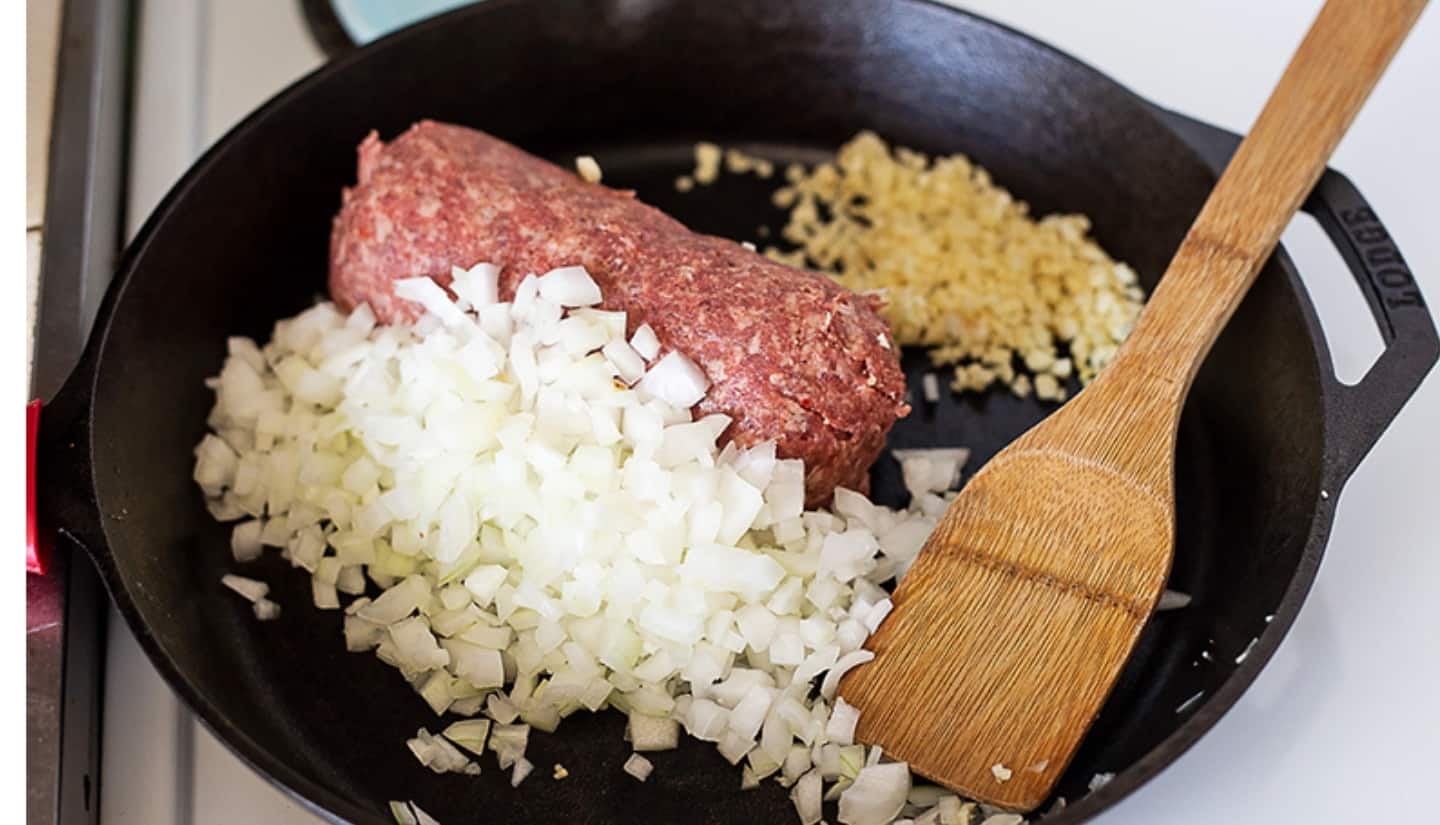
(64, 503)
(1362, 411)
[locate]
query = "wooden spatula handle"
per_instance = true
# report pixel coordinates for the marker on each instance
(1343, 55)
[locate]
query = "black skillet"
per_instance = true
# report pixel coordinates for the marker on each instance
(1269, 435)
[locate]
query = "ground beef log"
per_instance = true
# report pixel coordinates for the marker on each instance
(791, 356)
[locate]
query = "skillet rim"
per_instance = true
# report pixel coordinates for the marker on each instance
(337, 808)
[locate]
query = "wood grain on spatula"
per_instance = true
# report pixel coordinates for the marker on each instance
(1012, 626)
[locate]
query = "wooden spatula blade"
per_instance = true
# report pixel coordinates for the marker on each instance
(1023, 625)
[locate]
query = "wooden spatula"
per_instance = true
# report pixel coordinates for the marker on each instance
(1010, 629)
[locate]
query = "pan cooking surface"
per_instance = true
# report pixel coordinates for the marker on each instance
(243, 242)
(348, 715)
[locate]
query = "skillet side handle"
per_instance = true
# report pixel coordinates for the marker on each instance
(1362, 411)
(65, 503)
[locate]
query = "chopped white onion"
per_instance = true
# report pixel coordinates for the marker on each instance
(841, 727)
(930, 385)
(876, 614)
(547, 539)
(653, 733)
(439, 755)
(906, 539)
(797, 763)
(842, 666)
(626, 361)
(747, 716)
(509, 743)
(734, 746)
(1169, 600)
(931, 470)
(748, 780)
(569, 286)
(245, 542)
(478, 286)
(806, 796)
(522, 768)
(402, 813)
(432, 297)
(877, 795)
(250, 589)
(676, 380)
(638, 767)
(645, 342)
(324, 594)
(470, 735)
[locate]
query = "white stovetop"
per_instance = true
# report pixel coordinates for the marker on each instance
(1343, 721)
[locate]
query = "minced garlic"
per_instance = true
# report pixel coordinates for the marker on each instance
(707, 163)
(710, 160)
(738, 163)
(588, 168)
(964, 270)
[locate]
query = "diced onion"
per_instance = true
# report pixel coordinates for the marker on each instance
(676, 380)
(841, 727)
(250, 589)
(645, 342)
(402, 813)
(470, 735)
(734, 746)
(806, 796)
(521, 769)
(478, 286)
(931, 470)
(509, 743)
(842, 666)
(877, 614)
(930, 383)
(638, 767)
(748, 780)
(627, 362)
(569, 286)
(245, 540)
(1169, 600)
(324, 594)
(547, 539)
(877, 795)
(429, 295)
(653, 733)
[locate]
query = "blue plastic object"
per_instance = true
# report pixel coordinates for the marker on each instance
(366, 20)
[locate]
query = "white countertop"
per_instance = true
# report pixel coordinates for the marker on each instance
(1341, 723)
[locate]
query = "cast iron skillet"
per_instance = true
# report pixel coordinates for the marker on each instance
(1268, 437)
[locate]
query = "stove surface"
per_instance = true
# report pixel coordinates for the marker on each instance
(1337, 714)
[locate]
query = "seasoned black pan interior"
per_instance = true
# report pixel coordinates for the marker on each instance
(243, 242)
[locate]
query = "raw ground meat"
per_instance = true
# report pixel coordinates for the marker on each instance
(790, 355)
